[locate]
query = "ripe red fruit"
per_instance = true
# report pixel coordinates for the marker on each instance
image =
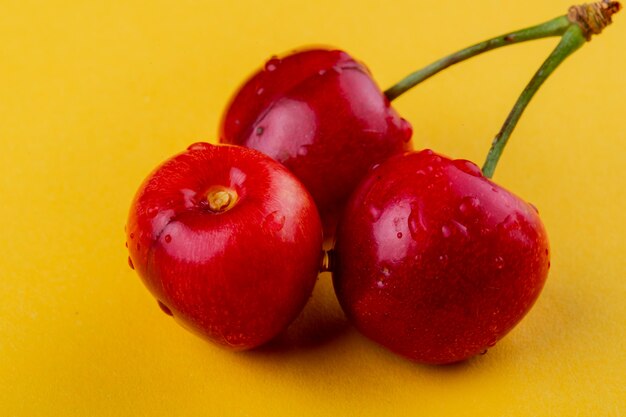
(228, 241)
(320, 114)
(435, 261)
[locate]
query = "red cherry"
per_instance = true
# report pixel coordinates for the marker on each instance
(228, 241)
(435, 261)
(320, 114)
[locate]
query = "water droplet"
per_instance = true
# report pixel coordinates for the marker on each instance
(534, 208)
(494, 189)
(427, 152)
(337, 69)
(443, 259)
(499, 262)
(445, 231)
(492, 341)
(272, 64)
(483, 352)
(469, 205)
(260, 91)
(375, 213)
(549, 264)
(274, 221)
(322, 72)
(468, 167)
(303, 150)
(130, 263)
(381, 282)
(416, 222)
(199, 146)
(138, 246)
(547, 252)
(164, 308)
(399, 235)
(259, 130)
(374, 167)
(460, 227)
(168, 238)
(126, 244)
(132, 235)
(510, 222)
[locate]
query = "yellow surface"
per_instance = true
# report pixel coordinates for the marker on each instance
(94, 94)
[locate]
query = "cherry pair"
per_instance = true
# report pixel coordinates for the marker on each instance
(432, 259)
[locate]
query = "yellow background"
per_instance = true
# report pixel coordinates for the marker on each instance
(93, 95)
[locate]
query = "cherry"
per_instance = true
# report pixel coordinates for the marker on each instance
(228, 241)
(436, 262)
(320, 114)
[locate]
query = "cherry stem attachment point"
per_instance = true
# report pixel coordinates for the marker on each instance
(221, 199)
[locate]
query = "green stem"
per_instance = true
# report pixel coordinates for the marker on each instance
(572, 39)
(554, 27)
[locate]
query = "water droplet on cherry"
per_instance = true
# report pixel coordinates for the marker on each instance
(468, 167)
(469, 205)
(274, 221)
(445, 231)
(416, 222)
(375, 213)
(510, 222)
(132, 235)
(199, 146)
(164, 308)
(322, 72)
(130, 263)
(303, 150)
(459, 227)
(499, 262)
(259, 130)
(272, 64)
(534, 208)
(260, 91)
(399, 235)
(168, 238)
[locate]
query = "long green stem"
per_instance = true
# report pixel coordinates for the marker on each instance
(572, 39)
(554, 27)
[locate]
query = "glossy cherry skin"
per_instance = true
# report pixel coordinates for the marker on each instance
(320, 114)
(237, 277)
(436, 262)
